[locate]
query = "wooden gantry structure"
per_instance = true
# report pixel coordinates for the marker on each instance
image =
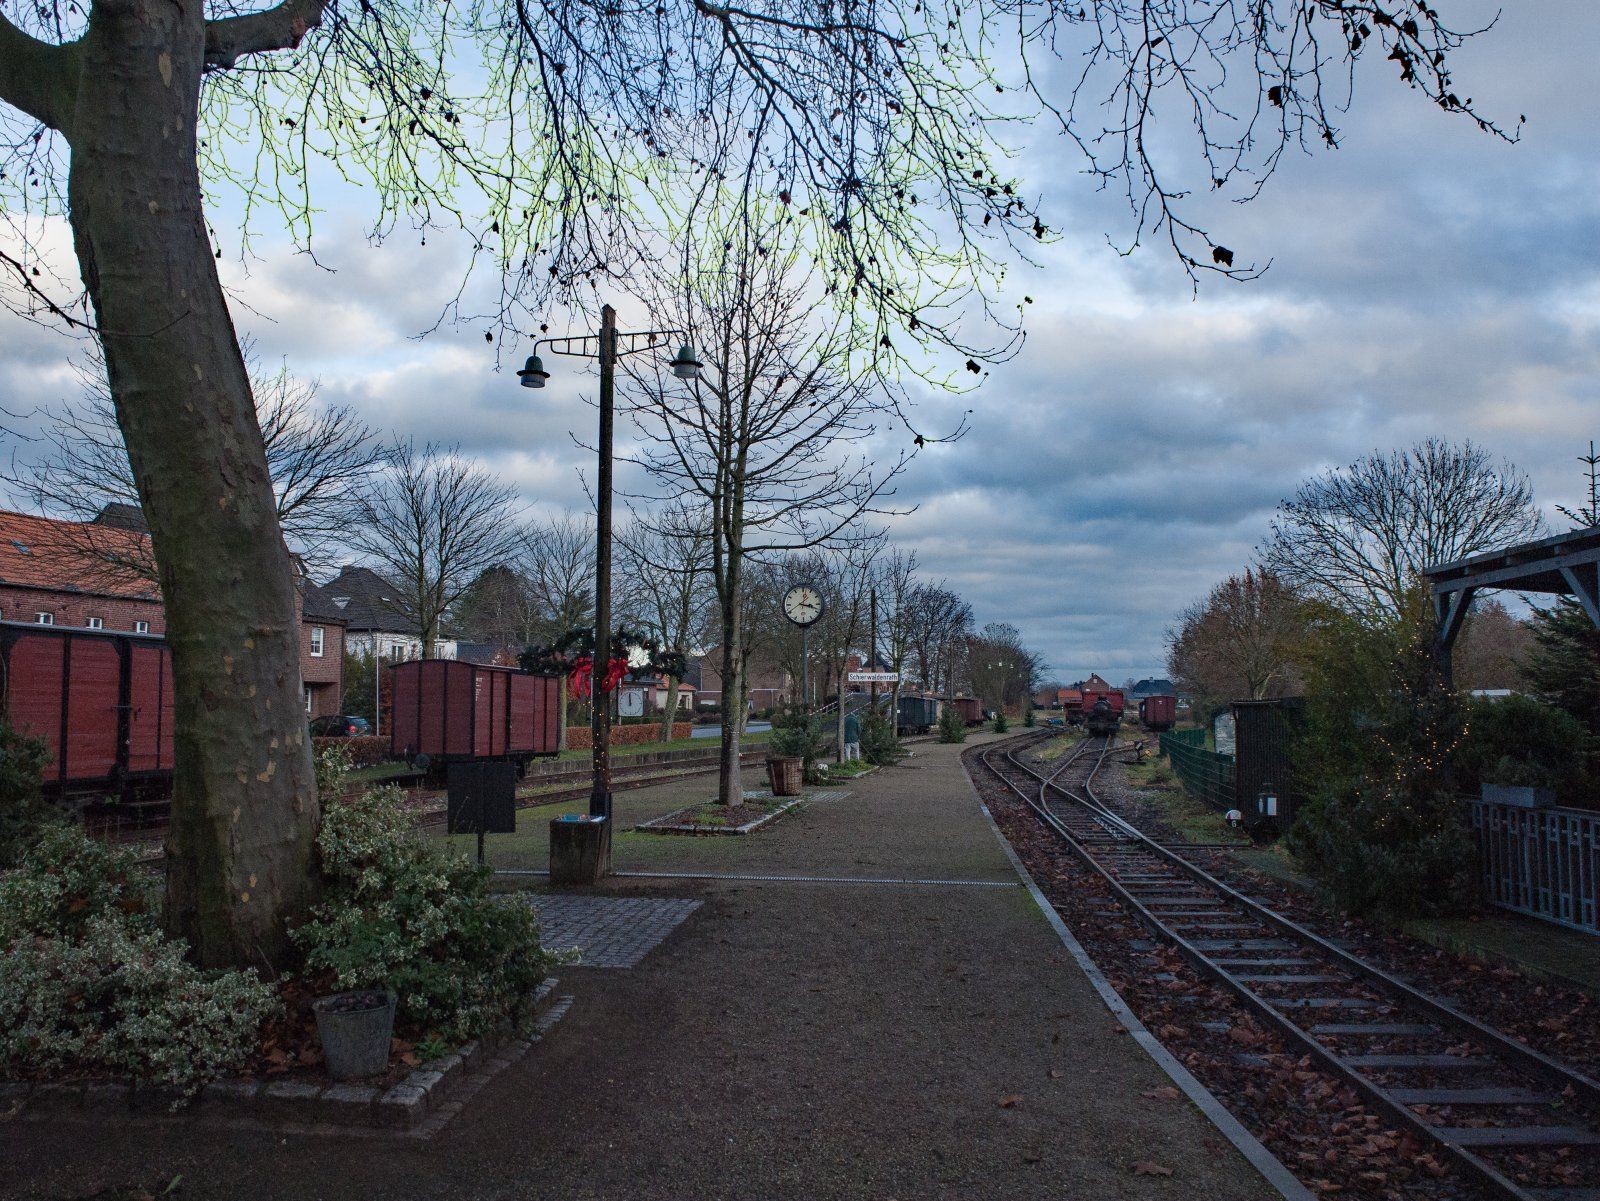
(1564, 565)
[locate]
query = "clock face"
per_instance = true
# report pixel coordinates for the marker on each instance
(802, 604)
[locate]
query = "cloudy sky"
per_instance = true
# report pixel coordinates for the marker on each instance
(1425, 280)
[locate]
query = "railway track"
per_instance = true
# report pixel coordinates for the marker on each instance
(1520, 1122)
(428, 809)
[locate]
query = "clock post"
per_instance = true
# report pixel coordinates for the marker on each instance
(803, 606)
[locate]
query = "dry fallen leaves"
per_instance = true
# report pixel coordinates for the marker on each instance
(1145, 1168)
(1165, 1093)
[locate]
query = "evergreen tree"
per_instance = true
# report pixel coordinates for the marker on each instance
(1564, 667)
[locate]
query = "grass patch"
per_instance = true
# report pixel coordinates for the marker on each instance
(1063, 743)
(1192, 820)
(848, 771)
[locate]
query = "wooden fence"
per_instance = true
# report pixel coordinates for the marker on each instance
(1543, 862)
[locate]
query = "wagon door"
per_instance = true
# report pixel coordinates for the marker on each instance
(93, 700)
(149, 708)
(35, 690)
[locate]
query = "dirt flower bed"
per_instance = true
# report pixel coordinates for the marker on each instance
(712, 818)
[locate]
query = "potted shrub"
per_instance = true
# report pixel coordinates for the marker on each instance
(355, 1029)
(795, 744)
(1519, 784)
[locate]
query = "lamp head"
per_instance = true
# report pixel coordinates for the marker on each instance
(684, 364)
(533, 373)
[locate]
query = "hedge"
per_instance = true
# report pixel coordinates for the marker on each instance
(578, 736)
(366, 751)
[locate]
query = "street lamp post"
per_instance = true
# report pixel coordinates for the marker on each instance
(608, 347)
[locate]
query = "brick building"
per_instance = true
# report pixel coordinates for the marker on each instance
(768, 686)
(95, 575)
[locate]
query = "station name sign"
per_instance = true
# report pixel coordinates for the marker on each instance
(874, 677)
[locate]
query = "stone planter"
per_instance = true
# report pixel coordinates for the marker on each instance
(1519, 796)
(785, 774)
(355, 1029)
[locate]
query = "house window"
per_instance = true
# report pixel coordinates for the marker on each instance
(141, 627)
(97, 623)
(45, 619)
(316, 642)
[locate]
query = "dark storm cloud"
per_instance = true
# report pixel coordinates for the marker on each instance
(1425, 280)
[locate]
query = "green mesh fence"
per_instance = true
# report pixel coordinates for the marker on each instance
(1205, 774)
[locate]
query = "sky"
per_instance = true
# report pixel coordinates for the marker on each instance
(1425, 280)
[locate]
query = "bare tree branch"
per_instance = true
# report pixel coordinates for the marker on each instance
(432, 523)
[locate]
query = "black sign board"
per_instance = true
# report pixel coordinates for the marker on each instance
(482, 797)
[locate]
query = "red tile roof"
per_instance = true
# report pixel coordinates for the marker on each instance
(74, 556)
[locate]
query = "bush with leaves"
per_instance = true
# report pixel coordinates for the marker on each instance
(401, 912)
(92, 987)
(1523, 741)
(952, 728)
(800, 735)
(879, 746)
(24, 812)
(1383, 830)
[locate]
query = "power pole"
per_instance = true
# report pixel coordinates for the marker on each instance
(872, 642)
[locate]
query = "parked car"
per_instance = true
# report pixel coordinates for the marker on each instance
(340, 725)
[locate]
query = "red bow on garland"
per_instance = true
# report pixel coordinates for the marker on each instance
(581, 673)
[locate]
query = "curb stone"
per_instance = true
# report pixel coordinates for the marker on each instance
(668, 825)
(417, 1107)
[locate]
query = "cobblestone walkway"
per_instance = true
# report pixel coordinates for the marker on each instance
(608, 931)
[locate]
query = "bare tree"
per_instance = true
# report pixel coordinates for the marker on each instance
(894, 580)
(556, 557)
(845, 575)
(940, 623)
(1001, 668)
(1493, 648)
(665, 571)
(557, 136)
(432, 523)
(764, 442)
(1359, 537)
(1240, 643)
(318, 457)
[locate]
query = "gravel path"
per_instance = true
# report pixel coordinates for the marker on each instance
(787, 1040)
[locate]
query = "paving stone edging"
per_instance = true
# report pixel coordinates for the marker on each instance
(1272, 1169)
(418, 1106)
(667, 823)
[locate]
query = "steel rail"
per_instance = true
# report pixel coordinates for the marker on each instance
(1120, 830)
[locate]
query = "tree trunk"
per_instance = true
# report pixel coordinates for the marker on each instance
(838, 718)
(730, 787)
(671, 709)
(240, 848)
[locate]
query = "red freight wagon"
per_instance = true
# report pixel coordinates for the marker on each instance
(969, 708)
(449, 709)
(100, 699)
(1158, 712)
(1113, 698)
